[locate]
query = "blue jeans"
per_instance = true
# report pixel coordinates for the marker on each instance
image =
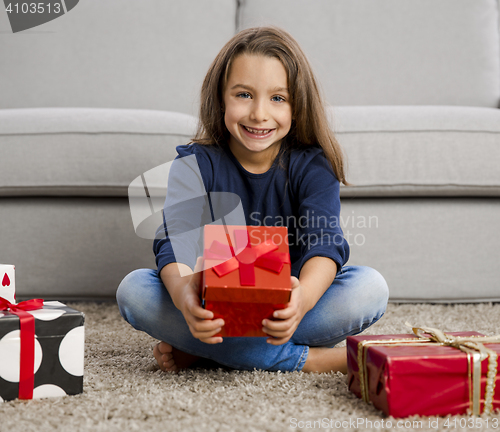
(356, 299)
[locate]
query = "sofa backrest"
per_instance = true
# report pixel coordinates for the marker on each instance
(153, 54)
(143, 54)
(393, 52)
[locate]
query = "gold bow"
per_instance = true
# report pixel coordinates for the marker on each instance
(471, 345)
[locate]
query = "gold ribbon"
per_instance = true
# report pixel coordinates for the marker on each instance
(471, 345)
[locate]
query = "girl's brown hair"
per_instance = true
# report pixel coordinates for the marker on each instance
(310, 125)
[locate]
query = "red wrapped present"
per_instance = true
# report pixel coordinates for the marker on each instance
(246, 275)
(428, 373)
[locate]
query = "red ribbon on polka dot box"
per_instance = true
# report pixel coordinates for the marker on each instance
(41, 349)
(246, 275)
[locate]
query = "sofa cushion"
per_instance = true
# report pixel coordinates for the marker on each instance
(419, 151)
(115, 54)
(393, 52)
(93, 152)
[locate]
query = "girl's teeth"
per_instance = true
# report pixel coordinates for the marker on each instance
(258, 132)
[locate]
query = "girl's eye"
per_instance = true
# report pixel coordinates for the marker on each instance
(243, 95)
(278, 99)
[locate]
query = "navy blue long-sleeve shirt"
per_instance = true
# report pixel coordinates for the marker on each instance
(299, 191)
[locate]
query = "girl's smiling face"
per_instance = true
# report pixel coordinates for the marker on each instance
(258, 113)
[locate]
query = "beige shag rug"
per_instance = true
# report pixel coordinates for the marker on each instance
(124, 392)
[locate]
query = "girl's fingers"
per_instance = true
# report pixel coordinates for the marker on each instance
(277, 325)
(284, 314)
(207, 336)
(212, 340)
(279, 334)
(200, 326)
(193, 307)
(198, 312)
(277, 341)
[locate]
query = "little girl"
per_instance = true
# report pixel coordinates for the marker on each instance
(264, 136)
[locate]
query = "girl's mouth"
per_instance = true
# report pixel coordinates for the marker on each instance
(257, 133)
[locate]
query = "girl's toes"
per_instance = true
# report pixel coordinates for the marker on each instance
(156, 352)
(166, 357)
(169, 364)
(164, 347)
(173, 368)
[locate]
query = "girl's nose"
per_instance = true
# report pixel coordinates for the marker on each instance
(259, 112)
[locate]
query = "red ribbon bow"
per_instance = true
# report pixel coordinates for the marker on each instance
(262, 256)
(27, 328)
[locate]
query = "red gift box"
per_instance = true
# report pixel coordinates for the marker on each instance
(405, 374)
(246, 276)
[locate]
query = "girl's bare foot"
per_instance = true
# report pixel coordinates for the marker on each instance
(326, 360)
(171, 359)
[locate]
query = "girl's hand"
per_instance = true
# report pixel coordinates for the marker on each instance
(288, 319)
(199, 320)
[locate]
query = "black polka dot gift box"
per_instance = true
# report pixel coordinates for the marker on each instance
(41, 350)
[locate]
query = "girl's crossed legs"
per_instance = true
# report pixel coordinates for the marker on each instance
(356, 300)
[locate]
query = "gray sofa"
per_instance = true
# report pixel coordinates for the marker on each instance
(91, 100)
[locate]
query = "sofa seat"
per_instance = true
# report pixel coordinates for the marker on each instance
(391, 151)
(397, 151)
(85, 151)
